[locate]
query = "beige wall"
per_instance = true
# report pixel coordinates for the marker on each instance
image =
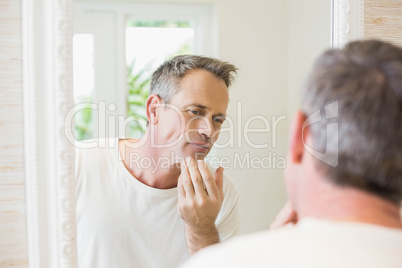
(383, 19)
(13, 249)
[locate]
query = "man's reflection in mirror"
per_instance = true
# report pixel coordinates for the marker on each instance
(153, 202)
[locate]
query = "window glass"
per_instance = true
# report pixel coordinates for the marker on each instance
(148, 45)
(83, 74)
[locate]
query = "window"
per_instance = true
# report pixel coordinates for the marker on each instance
(148, 45)
(83, 72)
(116, 49)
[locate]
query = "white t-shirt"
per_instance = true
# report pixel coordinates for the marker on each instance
(122, 222)
(311, 243)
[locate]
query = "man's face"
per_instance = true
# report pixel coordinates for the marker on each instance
(192, 120)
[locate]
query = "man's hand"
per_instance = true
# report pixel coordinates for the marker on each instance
(286, 216)
(200, 197)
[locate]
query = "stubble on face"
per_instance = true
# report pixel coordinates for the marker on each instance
(201, 99)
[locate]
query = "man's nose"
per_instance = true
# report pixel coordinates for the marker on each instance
(205, 127)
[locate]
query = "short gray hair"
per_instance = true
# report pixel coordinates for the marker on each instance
(365, 77)
(165, 79)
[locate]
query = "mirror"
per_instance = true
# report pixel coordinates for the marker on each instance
(272, 43)
(280, 49)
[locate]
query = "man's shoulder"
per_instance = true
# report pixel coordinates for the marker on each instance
(95, 152)
(95, 146)
(259, 249)
(313, 243)
(226, 254)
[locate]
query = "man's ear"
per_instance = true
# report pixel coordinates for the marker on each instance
(153, 102)
(296, 143)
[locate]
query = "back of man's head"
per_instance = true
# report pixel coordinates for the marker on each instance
(365, 79)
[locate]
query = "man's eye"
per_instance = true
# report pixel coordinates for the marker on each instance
(195, 112)
(219, 120)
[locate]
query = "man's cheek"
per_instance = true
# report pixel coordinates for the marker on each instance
(215, 135)
(172, 133)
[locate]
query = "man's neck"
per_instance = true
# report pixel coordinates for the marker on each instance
(146, 165)
(338, 203)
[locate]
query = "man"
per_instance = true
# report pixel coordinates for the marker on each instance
(344, 201)
(152, 202)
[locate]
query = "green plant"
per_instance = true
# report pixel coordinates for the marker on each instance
(138, 90)
(83, 120)
(158, 24)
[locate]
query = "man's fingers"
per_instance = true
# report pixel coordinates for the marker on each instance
(199, 210)
(196, 177)
(210, 185)
(186, 180)
(287, 213)
(285, 216)
(180, 189)
(218, 176)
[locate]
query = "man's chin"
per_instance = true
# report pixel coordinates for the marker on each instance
(198, 149)
(200, 156)
(196, 155)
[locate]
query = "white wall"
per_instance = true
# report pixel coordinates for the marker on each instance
(309, 24)
(252, 35)
(274, 43)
